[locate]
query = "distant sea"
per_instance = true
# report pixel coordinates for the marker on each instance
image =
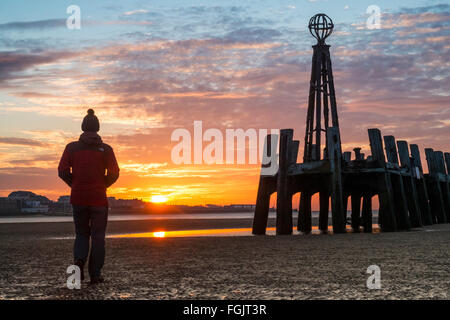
(133, 217)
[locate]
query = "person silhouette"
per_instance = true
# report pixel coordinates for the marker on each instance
(89, 167)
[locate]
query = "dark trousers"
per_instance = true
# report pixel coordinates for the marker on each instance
(90, 224)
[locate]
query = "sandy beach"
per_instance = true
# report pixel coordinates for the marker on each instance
(414, 265)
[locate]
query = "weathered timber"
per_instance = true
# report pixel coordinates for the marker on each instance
(293, 152)
(304, 213)
(345, 197)
(444, 182)
(315, 167)
(391, 149)
(324, 198)
(267, 186)
(410, 185)
(447, 162)
(284, 194)
(434, 188)
(387, 220)
(367, 213)
(376, 146)
(335, 154)
(400, 199)
(358, 154)
(387, 216)
(356, 211)
(421, 186)
(346, 156)
(440, 162)
(400, 202)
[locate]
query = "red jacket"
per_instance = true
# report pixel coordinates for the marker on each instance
(94, 168)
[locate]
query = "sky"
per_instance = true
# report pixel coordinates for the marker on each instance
(150, 67)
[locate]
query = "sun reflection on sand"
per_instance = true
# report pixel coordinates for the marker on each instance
(159, 234)
(213, 232)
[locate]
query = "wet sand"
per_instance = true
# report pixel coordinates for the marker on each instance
(414, 265)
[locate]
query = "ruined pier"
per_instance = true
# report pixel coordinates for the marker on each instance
(393, 172)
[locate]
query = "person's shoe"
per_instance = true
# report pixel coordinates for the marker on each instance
(80, 264)
(96, 280)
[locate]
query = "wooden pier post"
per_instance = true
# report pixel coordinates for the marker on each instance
(284, 194)
(356, 211)
(267, 185)
(324, 208)
(387, 218)
(304, 213)
(347, 156)
(391, 149)
(447, 162)
(434, 188)
(358, 154)
(400, 202)
(367, 213)
(410, 186)
(443, 180)
(421, 187)
(335, 154)
(345, 206)
(376, 147)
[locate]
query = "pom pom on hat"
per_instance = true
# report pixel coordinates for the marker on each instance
(90, 122)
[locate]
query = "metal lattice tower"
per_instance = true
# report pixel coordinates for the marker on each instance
(321, 92)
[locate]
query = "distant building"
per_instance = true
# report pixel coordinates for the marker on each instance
(62, 206)
(31, 206)
(21, 195)
(64, 199)
(30, 202)
(125, 203)
(241, 206)
(9, 206)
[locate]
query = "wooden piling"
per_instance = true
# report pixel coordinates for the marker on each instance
(345, 206)
(447, 162)
(410, 185)
(391, 149)
(387, 219)
(387, 216)
(443, 180)
(367, 213)
(304, 213)
(358, 154)
(335, 154)
(261, 209)
(421, 187)
(356, 211)
(434, 188)
(324, 208)
(400, 203)
(265, 189)
(284, 194)
(376, 146)
(346, 156)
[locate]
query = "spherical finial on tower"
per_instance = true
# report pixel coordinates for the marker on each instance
(320, 27)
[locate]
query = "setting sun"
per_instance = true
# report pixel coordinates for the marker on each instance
(158, 199)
